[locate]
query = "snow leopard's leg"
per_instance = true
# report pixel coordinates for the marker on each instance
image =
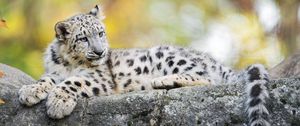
(178, 80)
(62, 99)
(257, 94)
(34, 93)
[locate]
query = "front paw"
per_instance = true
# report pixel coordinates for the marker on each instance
(60, 103)
(161, 82)
(32, 94)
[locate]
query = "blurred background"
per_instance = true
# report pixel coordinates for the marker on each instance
(236, 32)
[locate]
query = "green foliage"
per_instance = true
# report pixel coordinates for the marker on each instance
(138, 23)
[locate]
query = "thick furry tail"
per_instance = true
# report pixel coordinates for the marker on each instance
(257, 94)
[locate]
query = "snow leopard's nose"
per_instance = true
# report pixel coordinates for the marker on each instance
(99, 53)
(95, 54)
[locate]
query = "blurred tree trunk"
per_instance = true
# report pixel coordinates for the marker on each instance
(31, 10)
(288, 30)
(244, 5)
(289, 26)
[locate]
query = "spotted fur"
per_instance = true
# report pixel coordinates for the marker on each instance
(79, 63)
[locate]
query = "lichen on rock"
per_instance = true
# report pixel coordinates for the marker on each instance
(200, 105)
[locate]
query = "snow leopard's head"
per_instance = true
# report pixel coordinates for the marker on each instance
(84, 35)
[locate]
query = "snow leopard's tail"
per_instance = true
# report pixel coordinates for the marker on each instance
(257, 94)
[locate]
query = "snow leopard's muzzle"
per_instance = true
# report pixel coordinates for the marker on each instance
(97, 47)
(95, 55)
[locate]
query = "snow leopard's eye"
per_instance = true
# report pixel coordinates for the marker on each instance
(84, 39)
(101, 34)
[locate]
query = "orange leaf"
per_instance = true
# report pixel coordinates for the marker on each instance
(1, 74)
(1, 101)
(3, 23)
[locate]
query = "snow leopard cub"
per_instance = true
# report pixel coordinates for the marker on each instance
(79, 63)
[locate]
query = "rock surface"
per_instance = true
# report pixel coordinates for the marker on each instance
(207, 105)
(290, 67)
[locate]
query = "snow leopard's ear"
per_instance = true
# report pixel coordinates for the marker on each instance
(62, 30)
(97, 12)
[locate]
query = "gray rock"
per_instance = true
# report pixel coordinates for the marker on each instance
(290, 67)
(13, 78)
(220, 105)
